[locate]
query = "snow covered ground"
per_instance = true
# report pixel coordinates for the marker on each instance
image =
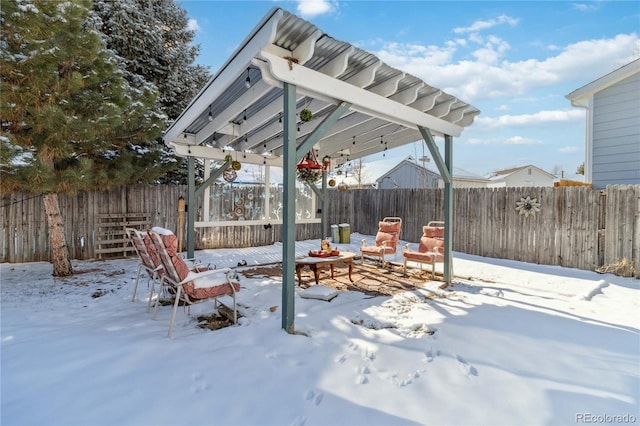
(509, 343)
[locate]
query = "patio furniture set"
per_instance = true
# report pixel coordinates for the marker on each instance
(196, 283)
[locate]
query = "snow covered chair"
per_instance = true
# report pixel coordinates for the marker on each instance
(389, 231)
(190, 286)
(149, 261)
(430, 248)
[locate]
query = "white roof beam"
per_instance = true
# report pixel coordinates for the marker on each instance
(362, 100)
(338, 65)
(388, 87)
(425, 103)
(219, 82)
(408, 95)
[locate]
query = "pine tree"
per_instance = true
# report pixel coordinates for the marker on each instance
(153, 44)
(69, 120)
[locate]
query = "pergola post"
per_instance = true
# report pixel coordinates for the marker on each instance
(445, 168)
(448, 210)
(289, 208)
(191, 202)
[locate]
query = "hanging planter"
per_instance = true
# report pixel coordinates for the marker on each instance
(309, 170)
(306, 115)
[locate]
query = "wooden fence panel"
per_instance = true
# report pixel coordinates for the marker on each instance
(576, 227)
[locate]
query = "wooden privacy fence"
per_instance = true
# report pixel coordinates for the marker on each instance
(576, 227)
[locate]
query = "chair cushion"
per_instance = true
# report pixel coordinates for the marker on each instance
(418, 256)
(433, 231)
(375, 250)
(221, 289)
(429, 245)
(389, 227)
(391, 240)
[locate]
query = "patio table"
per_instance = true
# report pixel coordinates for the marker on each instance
(316, 264)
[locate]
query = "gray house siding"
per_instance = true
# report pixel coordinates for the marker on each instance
(616, 134)
(408, 175)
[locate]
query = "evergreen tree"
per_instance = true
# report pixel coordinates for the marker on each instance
(69, 120)
(153, 44)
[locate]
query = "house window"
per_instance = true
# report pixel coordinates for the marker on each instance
(529, 172)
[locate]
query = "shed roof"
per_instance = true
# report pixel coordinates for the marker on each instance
(240, 108)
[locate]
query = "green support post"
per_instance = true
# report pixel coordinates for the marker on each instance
(191, 206)
(289, 209)
(448, 210)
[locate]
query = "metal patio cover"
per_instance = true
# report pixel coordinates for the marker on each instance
(360, 106)
(241, 107)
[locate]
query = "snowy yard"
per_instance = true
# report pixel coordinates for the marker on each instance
(509, 343)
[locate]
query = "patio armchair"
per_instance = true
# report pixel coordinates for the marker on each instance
(430, 249)
(191, 286)
(386, 243)
(149, 261)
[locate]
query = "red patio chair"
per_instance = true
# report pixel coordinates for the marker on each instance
(149, 260)
(190, 286)
(389, 231)
(430, 249)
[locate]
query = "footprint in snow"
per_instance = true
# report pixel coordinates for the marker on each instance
(469, 369)
(430, 355)
(341, 358)
(299, 421)
(316, 397)
(199, 384)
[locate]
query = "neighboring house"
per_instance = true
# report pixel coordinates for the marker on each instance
(465, 179)
(384, 174)
(613, 126)
(520, 176)
(408, 174)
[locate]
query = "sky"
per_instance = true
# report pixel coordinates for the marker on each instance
(508, 343)
(514, 60)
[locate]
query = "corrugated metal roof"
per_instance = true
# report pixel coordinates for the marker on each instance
(228, 115)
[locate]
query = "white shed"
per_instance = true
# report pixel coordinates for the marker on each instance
(612, 154)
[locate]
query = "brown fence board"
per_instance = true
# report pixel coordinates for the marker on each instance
(576, 227)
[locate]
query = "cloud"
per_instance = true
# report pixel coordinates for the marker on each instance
(583, 7)
(571, 149)
(311, 8)
(537, 119)
(192, 25)
(485, 74)
(513, 140)
(484, 25)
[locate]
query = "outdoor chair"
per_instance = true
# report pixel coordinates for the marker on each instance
(430, 249)
(149, 261)
(189, 286)
(387, 237)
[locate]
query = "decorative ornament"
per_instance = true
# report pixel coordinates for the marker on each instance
(528, 206)
(309, 170)
(235, 165)
(306, 115)
(343, 187)
(332, 182)
(229, 175)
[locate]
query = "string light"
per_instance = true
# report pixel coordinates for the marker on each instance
(210, 114)
(247, 81)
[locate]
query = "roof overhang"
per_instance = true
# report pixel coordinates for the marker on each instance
(240, 108)
(582, 97)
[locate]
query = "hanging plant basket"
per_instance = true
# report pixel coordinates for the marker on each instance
(309, 170)
(306, 115)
